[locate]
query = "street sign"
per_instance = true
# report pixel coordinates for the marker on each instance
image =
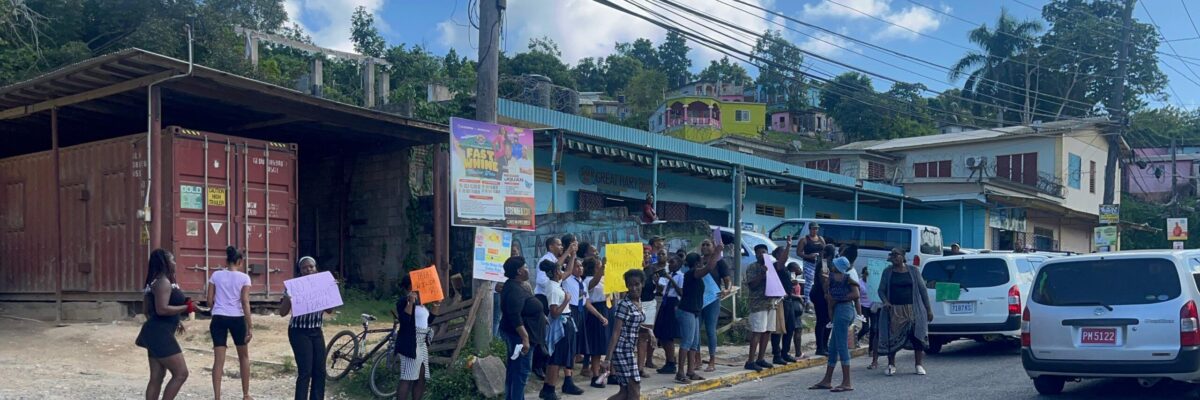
(1110, 214)
(1177, 229)
(1177, 245)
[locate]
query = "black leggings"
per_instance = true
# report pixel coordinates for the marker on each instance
(308, 345)
(822, 311)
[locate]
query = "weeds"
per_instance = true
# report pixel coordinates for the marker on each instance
(356, 302)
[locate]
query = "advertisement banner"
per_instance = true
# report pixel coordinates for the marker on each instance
(1177, 229)
(492, 247)
(491, 175)
(1104, 236)
(1110, 214)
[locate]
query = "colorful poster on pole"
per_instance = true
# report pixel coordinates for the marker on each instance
(491, 173)
(1110, 214)
(312, 293)
(426, 283)
(492, 247)
(622, 257)
(1104, 235)
(1177, 229)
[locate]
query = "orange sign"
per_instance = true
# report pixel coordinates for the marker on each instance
(426, 283)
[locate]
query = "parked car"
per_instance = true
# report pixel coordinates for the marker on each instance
(874, 239)
(988, 307)
(947, 252)
(1113, 315)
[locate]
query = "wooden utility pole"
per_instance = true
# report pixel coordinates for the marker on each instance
(1118, 101)
(486, 93)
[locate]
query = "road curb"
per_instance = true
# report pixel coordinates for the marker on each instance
(734, 379)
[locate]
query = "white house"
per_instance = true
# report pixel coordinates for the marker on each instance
(1036, 187)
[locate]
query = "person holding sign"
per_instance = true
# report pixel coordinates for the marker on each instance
(786, 322)
(687, 314)
(904, 320)
(308, 342)
(162, 303)
(842, 294)
(762, 310)
(229, 297)
(412, 341)
(622, 352)
(523, 325)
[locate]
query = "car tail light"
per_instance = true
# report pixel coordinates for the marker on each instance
(1014, 300)
(1189, 334)
(1025, 339)
(917, 260)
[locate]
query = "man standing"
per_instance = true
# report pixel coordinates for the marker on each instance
(762, 310)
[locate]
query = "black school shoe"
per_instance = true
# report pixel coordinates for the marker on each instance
(597, 384)
(669, 368)
(764, 364)
(753, 367)
(779, 361)
(548, 393)
(570, 388)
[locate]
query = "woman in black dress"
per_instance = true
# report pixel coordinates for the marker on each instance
(162, 304)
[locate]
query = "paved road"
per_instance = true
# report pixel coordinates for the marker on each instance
(964, 370)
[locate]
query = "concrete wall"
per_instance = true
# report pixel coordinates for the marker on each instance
(974, 225)
(1090, 147)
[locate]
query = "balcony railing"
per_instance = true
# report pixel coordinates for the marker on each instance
(1045, 183)
(694, 121)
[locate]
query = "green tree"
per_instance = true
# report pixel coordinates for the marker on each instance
(589, 75)
(643, 94)
(673, 60)
(542, 58)
(725, 71)
(619, 70)
(642, 50)
(1155, 128)
(850, 100)
(994, 73)
(366, 37)
(779, 64)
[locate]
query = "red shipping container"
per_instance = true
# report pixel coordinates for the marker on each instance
(218, 191)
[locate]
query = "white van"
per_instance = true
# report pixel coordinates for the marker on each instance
(1120, 315)
(988, 305)
(874, 239)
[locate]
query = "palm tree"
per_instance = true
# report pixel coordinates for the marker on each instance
(996, 67)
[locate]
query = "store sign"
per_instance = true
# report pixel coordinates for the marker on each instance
(492, 175)
(1110, 214)
(589, 176)
(1009, 219)
(1104, 236)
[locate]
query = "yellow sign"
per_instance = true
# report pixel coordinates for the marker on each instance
(622, 257)
(216, 197)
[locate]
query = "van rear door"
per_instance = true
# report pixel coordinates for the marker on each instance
(983, 297)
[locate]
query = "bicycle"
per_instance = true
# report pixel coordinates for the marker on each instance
(345, 354)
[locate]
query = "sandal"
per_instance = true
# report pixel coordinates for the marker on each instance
(820, 387)
(840, 389)
(695, 377)
(873, 366)
(682, 379)
(712, 367)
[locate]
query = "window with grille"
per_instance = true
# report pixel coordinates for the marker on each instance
(876, 171)
(1021, 168)
(769, 210)
(742, 115)
(932, 169)
(1092, 177)
(833, 165)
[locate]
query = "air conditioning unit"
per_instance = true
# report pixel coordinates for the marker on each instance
(975, 162)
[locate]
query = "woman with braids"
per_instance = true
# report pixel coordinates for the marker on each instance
(162, 303)
(229, 297)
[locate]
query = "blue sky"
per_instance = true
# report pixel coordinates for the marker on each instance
(583, 28)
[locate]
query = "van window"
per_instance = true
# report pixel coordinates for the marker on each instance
(931, 241)
(868, 237)
(970, 273)
(786, 229)
(1107, 282)
(1026, 265)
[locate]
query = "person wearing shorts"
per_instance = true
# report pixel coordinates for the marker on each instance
(687, 315)
(229, 297)
(762, 310)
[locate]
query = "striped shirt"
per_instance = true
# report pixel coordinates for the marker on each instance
(306, 321)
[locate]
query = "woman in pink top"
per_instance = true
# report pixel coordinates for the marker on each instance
(229, 296)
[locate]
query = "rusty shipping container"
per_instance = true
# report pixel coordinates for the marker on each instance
(217, 191)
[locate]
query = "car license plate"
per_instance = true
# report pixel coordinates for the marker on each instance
(966, 307)
(1098, 336)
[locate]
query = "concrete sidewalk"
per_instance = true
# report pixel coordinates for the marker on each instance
(729, 372)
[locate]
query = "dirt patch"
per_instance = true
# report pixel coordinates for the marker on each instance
(100, 361)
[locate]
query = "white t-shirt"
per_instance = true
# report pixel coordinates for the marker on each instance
(555, 295)
(421, 316)
(227, 298)
(541, 280)
(597, 293)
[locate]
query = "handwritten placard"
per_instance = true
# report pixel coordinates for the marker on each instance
(622, 257)
(774, 286)
(875, 268)
(492, 248)
(312, 293)
(426, 283)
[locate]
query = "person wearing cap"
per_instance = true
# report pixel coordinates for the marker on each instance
(842, 293)
(955, 249)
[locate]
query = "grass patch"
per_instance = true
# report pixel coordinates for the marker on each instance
(356, 302)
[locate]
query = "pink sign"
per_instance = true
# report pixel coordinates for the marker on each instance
(774, 286)
(312, 293)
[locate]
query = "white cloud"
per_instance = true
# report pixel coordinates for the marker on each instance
(827, 44)
(912, 19)
(328, 21)
(851, 9)
(901, 23)
(585, 28)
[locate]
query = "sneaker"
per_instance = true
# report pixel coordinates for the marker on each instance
(753, 367)
(779, 361)
(548, 394)
(570, 388)
(789, 358)
(891, 370)
(764, 364)
(669, 368)
(596, 383)
(920, 370)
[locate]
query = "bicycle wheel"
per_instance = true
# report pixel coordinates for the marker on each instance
(385, 374)
(340, 355)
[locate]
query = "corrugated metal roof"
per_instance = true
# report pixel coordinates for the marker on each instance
(946, 139)
(669, 146)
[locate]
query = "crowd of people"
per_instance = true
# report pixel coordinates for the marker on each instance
(558, 314)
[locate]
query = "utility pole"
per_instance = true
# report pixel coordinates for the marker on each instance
(1118, 101)
(486, 92)
(1174, 180)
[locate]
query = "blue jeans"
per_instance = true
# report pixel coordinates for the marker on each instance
(496, 314)
(517, 371)
(689, 330)
(839, 346)
(708, 317)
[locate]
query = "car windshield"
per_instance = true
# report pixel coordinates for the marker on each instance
(1107, 282)
(969, 273)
